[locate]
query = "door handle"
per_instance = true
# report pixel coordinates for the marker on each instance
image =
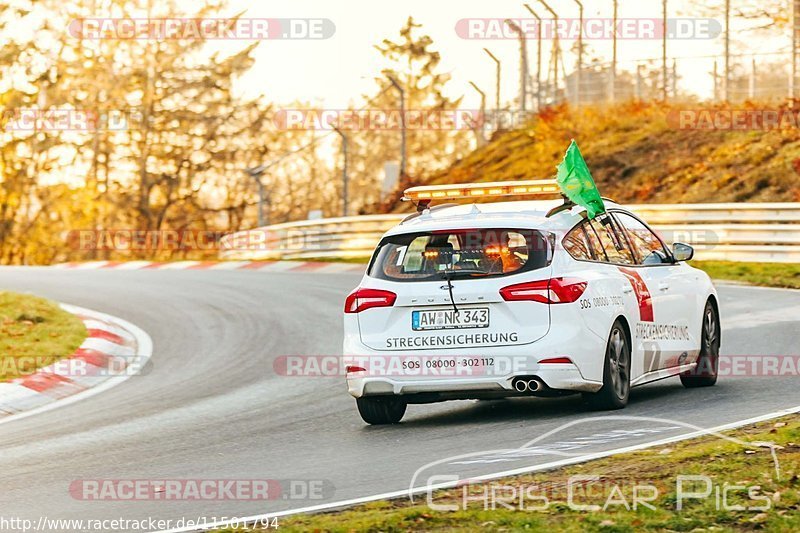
(663, 286)
(627, 290)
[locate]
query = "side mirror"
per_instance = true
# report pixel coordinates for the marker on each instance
(682, 251)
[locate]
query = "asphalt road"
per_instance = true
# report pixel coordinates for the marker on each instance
(212, 407)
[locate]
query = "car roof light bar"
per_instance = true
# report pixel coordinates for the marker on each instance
(427, 193)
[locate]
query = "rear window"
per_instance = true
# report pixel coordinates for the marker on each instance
(461, 254)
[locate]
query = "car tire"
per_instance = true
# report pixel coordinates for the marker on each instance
(616, 373)
(381, 410)
(705, 373)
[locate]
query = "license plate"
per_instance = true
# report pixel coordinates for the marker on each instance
(449, 319)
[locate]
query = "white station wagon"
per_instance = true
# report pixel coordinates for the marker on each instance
(521, 298)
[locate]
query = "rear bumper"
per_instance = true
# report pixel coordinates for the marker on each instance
(585, 349)
(562, 377)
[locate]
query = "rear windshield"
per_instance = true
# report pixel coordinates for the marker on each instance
(460, 254)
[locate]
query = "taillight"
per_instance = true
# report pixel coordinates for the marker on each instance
(546, 291)
(362, 299)
(534, 291)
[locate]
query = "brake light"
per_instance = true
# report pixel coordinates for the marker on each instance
(546, 291)
(362, 299)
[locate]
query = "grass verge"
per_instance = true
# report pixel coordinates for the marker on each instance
(785, 275)
(34, 332)
(724, 464)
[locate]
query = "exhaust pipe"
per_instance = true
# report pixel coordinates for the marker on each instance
(533, 385)
(528, 384)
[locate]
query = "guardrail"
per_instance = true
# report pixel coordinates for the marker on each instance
(768, 232)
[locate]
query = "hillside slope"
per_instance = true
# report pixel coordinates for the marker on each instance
(638, 155)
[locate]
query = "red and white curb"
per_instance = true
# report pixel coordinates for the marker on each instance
(113, 351)
(260, 266)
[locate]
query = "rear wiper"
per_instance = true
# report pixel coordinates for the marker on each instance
(450, 288)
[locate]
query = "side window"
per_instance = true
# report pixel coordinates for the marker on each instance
(410, 258)
(575, 243)
(594, 242)
(613, 242)
(648, 247)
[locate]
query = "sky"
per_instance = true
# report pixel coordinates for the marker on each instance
(335, 72)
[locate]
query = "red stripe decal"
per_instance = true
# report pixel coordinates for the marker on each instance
(642, 294)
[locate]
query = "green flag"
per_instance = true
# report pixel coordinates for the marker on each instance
(576, 182)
